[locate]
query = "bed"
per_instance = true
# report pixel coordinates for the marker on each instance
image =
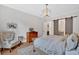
(58, 45)
(51, 44)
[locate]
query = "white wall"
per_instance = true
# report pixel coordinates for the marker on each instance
(76, 24)
(23, 21)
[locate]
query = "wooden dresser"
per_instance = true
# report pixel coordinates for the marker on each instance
(31, 35)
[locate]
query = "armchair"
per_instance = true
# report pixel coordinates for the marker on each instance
(8, 40)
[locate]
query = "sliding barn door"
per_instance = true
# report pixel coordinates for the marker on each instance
(69, 25)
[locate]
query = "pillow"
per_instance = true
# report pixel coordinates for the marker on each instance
(72, 42)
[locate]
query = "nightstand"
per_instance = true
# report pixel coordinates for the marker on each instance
(31, 35)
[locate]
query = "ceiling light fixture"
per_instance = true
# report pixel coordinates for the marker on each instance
(46, 11)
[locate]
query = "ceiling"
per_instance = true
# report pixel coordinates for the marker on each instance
(37, 9)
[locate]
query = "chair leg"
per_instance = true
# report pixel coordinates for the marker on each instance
(10, 50)
(1, 51)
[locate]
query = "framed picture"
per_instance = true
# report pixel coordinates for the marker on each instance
(12, 25)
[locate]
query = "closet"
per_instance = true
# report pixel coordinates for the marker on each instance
(60, 26)
(65, 26)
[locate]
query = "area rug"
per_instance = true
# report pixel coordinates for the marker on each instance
(29, 51)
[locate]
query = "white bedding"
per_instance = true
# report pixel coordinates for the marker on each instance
(56, 48)
(51, 44)
(58, 45)
(72, 52)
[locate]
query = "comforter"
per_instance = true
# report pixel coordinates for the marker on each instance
(58, 45)
(54, 45)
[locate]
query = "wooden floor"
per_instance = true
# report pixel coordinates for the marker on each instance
(14, 51)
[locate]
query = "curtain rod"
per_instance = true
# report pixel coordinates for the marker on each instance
(66, 17)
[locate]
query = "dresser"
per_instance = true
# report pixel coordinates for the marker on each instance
(31, 36)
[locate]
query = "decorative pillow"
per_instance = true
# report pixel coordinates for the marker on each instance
(72, 42)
